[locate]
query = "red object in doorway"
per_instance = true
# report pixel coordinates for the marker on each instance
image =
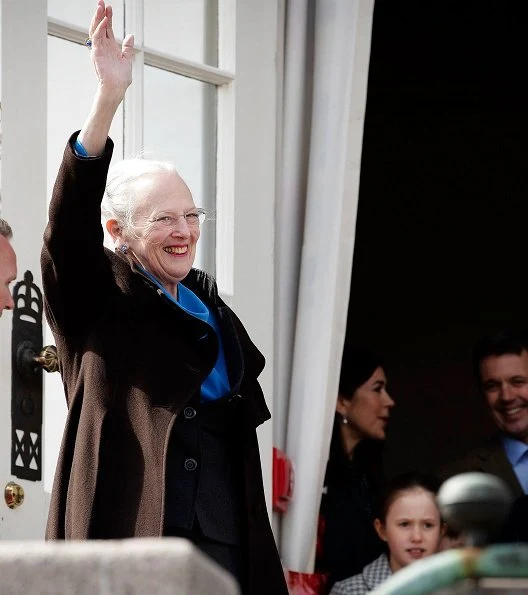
(283, 480)
(304, 583)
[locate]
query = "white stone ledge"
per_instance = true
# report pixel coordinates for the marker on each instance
(125, 567)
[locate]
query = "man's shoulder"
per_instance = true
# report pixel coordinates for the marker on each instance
(488, 457)
(476, 459)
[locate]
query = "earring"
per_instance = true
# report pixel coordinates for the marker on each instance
(124, 248)
(344, 419)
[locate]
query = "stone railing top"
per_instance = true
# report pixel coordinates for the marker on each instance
(129, 566)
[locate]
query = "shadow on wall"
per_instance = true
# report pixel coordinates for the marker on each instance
(440, 253)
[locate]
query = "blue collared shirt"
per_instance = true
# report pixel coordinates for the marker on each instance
(516, 451)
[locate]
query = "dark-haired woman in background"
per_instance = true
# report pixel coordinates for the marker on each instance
(347, 539)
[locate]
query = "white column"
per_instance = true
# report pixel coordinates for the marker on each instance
(24, 125)
(255, 142)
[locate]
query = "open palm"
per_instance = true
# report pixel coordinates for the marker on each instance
(113, 63)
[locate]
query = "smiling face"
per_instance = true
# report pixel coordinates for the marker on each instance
(367, 411)
(504, 381)
(8, 273)
(412, 528)
(164, 229)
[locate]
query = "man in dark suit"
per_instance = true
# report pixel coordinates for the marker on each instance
(501, 368)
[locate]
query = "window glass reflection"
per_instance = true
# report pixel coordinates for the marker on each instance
(80, 12)
(180, 126)
(184, 28)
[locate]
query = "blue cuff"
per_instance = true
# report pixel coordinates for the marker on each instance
(79, 150)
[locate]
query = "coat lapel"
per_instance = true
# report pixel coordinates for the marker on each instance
(492, 459)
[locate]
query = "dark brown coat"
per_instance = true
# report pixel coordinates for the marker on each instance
(130, 360)
(488, 458)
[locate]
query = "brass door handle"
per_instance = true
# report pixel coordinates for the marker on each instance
(29, 360)
(13, 495)
(48, 358)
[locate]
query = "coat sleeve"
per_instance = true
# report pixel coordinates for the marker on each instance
(76, 273)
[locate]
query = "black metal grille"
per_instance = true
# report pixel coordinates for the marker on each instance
(26, 392)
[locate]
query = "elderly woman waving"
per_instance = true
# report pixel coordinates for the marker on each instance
(160, 375)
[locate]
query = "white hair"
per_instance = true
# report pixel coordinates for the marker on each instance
(119, 198)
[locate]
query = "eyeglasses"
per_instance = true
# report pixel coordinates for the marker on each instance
(193, 218)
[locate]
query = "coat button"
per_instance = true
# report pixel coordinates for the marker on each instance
(189, 412)
(190, 464)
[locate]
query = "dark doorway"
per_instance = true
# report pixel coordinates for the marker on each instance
(441, 240)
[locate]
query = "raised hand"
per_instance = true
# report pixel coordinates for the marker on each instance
(113, 63)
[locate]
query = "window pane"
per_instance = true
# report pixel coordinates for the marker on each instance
(80, 12)
(184, 28)
(180, 127)
(71, 86)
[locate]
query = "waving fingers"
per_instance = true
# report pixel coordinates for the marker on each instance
(109, 28)
(100, 32)
(97, 17)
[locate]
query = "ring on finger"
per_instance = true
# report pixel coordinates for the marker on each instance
(88, 43)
